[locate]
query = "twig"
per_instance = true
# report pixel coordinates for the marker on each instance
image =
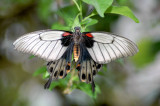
(70, 83)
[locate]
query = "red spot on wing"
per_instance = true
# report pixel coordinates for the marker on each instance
(89, 35)
(66, 34)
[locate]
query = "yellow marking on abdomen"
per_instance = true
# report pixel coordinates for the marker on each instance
(76, 52)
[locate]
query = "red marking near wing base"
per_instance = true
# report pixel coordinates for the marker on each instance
(89, 35)
(66, 34)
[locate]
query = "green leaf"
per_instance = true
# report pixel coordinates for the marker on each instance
(88, 90)
(68, 14)
(45, 75)
(32, 56)
(104, 68)
(122, 10)
(78, 7)
(75, 78)
(62, 83)
(54, 84)
(145, 54)
(120, 61)
(40, 71)
(97, 91)
(44, 9)
(89, 22)
(58, 26)
(123, 2)
(101, 73)
(76, 22)
(100, 5)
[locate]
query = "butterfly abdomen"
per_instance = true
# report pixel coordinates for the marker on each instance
(76, 52)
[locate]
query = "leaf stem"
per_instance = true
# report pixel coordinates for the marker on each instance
(81, 15)
(75, 21)
(77, 5)
(88, 17)
(70, 83)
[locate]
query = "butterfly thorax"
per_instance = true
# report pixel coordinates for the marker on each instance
(77, 36)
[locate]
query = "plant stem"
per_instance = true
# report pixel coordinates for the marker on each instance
(88, 17)
(77, 5)
(81, 15)
(70, 83)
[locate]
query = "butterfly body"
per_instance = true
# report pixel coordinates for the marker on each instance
(77, 36)
(90, 50)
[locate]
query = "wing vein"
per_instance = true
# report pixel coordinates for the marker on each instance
(59, 52)
(46, 48)
(118, 50)
(113, 50)
(24, 37)
(29, 44)
(107, 52)
(101, 51)
(122, 47)
(34, 46)
(21, 46)
(51, 50)
(39, 47)
(94, 54)
(130, 48)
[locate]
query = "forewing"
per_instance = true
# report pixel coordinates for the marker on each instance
(105, 47)
(47, 44)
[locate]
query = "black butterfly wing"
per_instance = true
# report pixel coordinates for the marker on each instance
(47, 44)
(105, 47)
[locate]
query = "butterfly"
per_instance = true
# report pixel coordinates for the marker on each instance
(90, 51)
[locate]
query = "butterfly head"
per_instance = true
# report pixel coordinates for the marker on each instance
(77, 29)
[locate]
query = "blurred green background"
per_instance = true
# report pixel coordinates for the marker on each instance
(133, 81)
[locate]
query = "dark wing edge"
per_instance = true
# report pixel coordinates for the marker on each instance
(105, 47)
(49, 45)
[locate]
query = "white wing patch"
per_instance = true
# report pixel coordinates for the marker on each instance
(108, 47)
(45, 44)
(102, 37)
(49, 35)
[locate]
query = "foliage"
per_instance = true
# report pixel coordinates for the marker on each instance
(32, 56)
(148, 49)
(40, 71)
(44, 9)
(73, 15)
(122, 10)
(100, 5)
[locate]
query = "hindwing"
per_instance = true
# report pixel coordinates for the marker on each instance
(60, 68)
(87, 67)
